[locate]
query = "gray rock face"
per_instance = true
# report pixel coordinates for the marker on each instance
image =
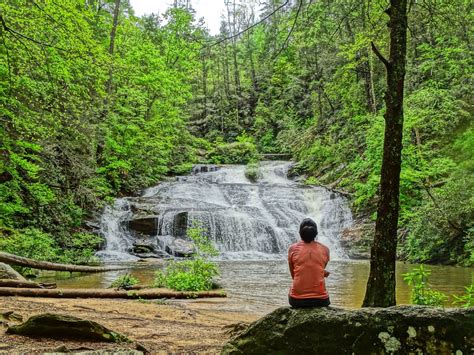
(144, 225)
(394, 330)
(181, 248)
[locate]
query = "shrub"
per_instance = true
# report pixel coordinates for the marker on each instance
(81, 248)
(252, 171)
(124, 282)
(421, 293)
(233, 153)
(191, 275)
(29, 243)
(466, 300)
(312, 181)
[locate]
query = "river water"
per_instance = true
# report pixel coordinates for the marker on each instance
(260, 286)
(252, 225)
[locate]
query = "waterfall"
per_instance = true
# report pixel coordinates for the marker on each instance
(243, 219)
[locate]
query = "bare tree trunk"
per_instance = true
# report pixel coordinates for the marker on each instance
(204, 88)
(45, 265)
(112, 43)
(380, 290)
(7, 271)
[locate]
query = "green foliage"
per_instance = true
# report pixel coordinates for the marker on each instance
(421, 293)
(252, 171)
(233, 153)
(204, 246)
(124, 282)
(311, 181)
(30, 243)
(188, 275)
(81, 248)
(191, 275)
(80, 125)
(467, 299)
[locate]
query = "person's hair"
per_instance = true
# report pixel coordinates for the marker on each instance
(308, 230)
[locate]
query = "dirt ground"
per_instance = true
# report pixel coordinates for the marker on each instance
(162, 327)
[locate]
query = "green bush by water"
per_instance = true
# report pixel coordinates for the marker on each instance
(423, 294)
(124, 282)
(35, 244)
(191, 275)
(252, 171)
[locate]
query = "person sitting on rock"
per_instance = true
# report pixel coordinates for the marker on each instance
(307, 260)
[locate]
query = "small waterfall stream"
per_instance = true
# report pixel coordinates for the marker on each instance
(244, 220)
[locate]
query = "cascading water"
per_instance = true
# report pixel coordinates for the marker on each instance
(243, 219)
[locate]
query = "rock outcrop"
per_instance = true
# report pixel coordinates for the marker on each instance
(394, 330)
(144, 225)
(181, 248)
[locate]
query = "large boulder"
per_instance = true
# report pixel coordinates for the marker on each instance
(394, 330)
(65, 326)
(181, 248)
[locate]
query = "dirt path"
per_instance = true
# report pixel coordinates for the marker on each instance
(163, 327)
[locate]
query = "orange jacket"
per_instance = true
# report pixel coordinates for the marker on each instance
(307, 262)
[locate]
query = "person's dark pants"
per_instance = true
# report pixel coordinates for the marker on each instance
(308, 302)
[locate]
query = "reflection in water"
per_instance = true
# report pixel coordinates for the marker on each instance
(261, 286)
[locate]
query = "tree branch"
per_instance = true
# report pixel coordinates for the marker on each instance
(285, 43)
(12, 31)
(248, 28)
(379, 55)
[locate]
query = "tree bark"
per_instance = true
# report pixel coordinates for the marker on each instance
(7, 271)
(17, 283)
(113, 31)
(380, 290)
(45, 265)
(106, 293)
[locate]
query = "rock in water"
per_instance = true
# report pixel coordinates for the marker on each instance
(181, 248)
(394, 330)
(63, 326)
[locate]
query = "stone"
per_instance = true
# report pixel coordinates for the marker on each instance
(181, 248)
(327, 330)
(65, 326)
(357, 239)
(204, 168)
(143, 248)
(144, 225)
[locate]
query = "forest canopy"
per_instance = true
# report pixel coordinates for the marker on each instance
(97, 102)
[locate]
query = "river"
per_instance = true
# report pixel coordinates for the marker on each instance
(252, 224)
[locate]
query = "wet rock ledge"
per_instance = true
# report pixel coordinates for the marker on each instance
(394, 330)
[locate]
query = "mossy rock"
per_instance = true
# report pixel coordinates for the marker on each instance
(394, 330)
(63, 326)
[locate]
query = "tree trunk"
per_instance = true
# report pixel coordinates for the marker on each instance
(106, 293)
(6, 271)
(380, 290)
(20, 284)
(45, 265)
(112, 43)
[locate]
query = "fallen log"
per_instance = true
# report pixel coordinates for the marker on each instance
(107, 293)
(46, 265)
(26, 284)
(18, 283)
(8, 272)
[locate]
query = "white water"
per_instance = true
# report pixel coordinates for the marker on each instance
(244, 220)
